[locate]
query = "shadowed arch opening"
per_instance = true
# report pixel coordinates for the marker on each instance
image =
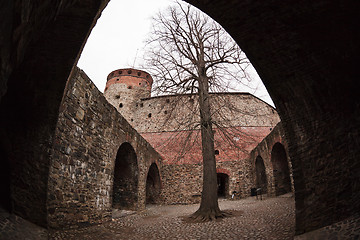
(261, 179)
(223, 184)
(125, 187)
(153, 185)
(280, 169)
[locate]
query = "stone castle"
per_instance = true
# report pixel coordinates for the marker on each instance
(118, 155)
(59, 149)
(165, 122)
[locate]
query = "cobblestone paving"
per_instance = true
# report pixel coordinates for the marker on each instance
(14, 227)
(347, 229)
(272, 218)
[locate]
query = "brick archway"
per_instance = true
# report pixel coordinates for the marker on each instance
(223, 170)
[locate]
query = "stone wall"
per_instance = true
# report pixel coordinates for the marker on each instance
(181, 112)
(88, 136)
(182, 183)
(36, 59)
(265, 150)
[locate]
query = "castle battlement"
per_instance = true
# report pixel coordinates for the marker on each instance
(166, 113)
(131, 78)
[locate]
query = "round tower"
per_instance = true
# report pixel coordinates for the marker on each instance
(125, 88)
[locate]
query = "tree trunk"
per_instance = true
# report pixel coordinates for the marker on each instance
(209, 207)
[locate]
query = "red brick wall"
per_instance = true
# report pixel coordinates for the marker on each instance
(130, 77)
(184, 147)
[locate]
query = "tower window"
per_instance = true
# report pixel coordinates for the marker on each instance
(149, 115)
(120, 72)
(165, 112)
(141, 104)
(129, 71)
(216, 152)
(129, 87)
(139, 83)
(117, 96)
(139, 73)
(121, 105)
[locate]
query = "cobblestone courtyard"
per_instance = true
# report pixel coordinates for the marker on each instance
(271, 218)
(267, 219)
(253, 219)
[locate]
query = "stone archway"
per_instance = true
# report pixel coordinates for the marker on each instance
(307, 54)
(261, 179)
(223, 184)
(280, 169)
(125, 185)
(153, 185)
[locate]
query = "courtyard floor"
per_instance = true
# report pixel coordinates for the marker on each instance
(271, 218)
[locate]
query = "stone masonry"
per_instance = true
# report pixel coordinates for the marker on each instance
(89, 137)
(170, 125)
(266, 151)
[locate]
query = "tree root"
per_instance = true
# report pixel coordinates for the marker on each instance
(206, 216)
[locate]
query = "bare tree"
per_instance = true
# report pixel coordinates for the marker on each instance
(189, 53)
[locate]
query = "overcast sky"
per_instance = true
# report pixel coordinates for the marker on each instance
(118, 38)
